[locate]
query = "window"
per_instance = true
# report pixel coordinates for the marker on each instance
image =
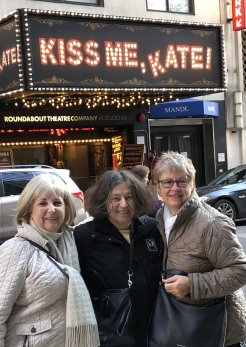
(92, 2)
(15, 182)
(81, 2)
(179, 6)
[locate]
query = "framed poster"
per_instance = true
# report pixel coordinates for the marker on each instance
(132, 155)
(6, 157)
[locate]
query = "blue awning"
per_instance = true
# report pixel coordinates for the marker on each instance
(184, 108)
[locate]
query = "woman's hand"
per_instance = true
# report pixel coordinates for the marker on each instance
(177, 285)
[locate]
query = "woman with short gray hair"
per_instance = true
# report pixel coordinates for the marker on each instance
(202, 242)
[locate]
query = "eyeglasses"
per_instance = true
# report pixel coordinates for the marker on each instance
(182, 183)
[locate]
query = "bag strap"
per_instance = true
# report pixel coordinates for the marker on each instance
(49, 256)
(172, 272)
(130, 268)
(40, 247)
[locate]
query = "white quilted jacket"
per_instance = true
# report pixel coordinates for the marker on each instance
(32, 297)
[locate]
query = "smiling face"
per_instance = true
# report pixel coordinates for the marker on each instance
(48, 212)
(120, 206)
(175, 196)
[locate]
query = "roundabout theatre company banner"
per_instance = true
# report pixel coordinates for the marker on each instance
(53, 51)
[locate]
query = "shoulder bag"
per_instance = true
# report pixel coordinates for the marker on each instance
(113, 309)
(175, 323)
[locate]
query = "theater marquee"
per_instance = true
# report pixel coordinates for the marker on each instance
(57, 52)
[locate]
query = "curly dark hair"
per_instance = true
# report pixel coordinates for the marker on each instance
(97, 196)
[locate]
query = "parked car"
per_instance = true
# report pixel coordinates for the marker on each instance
(227, 193)
(13, 179)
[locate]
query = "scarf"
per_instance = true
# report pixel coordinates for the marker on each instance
(81, 326)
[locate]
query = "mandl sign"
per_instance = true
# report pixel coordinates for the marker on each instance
(184, 108)
(81, 52)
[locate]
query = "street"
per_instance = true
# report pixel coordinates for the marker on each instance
(241, 233)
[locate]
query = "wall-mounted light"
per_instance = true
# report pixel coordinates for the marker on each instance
(228, 11)
(141, 117)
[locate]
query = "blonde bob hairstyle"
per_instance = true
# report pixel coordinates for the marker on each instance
(175, 160)
(42, 184)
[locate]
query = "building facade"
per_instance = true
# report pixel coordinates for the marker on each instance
(235, 97)
(81, 80)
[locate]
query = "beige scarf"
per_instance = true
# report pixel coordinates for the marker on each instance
(81, 326)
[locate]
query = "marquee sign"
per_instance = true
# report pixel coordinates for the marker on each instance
(82, 52)
(11, 78)
(239, 14)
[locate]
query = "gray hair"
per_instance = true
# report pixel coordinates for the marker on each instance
(175, 160)
(38, 185)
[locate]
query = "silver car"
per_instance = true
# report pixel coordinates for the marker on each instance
(13, 179)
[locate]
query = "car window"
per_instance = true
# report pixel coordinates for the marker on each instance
(241, 175)
(15, 182)
(232, 176)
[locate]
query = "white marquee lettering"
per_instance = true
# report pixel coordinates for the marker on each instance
(176, 109)
(24, 119)
(50, 119)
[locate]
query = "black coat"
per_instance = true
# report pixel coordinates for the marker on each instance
(104, 260)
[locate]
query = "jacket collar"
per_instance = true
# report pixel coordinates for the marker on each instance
(104, 228)
(189, 207)
(28, 232)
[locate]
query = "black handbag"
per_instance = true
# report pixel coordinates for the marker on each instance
(113, 310)
(175, 323)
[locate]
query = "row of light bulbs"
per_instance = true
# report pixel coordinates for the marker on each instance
(90, 101)
(34, 143)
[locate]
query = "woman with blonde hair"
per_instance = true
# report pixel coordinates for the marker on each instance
(44, 301)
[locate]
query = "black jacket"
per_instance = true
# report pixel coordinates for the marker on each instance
(104, 260)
